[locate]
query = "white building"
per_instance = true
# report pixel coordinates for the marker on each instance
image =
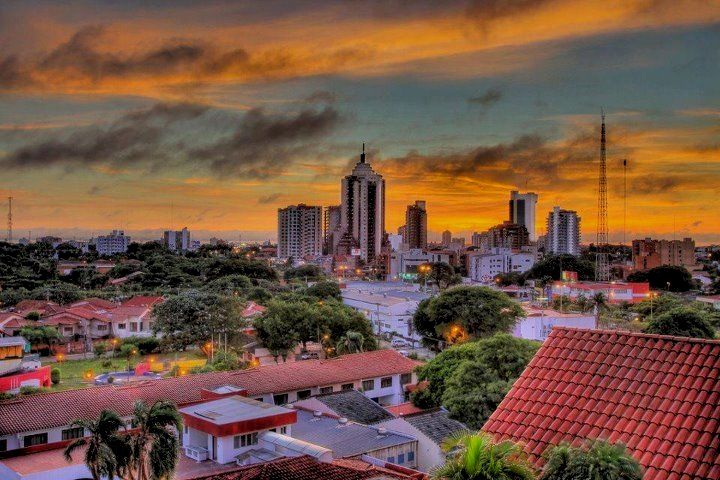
(522, 211)
(363, 209)
(177, 241)
(407, 261)
(563, 232)
(484, 267)
(538, 322)
(389, 311)
(299, 232)
(111, 244)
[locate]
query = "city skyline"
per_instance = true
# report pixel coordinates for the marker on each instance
(228, 113)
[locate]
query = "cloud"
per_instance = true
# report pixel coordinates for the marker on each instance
(490, 97)
(487, 10)
(94, 190)
(321, 96)
(267, 199)
(654, 184)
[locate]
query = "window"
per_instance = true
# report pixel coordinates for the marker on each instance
(3, 445)
(133, 327)
(386, 382)
(121, 326)
(102, 328)
(185, 429)
(347, 386)
(259, 399)
(280, 399)
(303, 394)
(368, 385)
(283, 430)
(37, 439)
(241, 441)
(68, 330)
(391, 459)
(405, 378)
(71, 433)
(401, 458)
(326, 390)
(411, 456)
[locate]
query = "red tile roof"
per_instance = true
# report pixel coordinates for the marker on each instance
(48, 410)
(307, 468)
(658, 395)
(94, 303)
(404, 409)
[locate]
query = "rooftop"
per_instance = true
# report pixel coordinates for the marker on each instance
(48, 410)
(344, 439)
(350, 404)
(435, 424)
(232, 409)
(658, 395)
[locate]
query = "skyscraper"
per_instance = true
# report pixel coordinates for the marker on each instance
(563, 232)
(363, 209)
(416, 225)
(522, 211)
(299, 231)
(331, 229)
(177, 241)
(446, 237)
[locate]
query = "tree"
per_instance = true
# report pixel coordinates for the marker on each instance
(154, 443)
(477, 386)
(473, 312)
(672, 278)
(682, 322)
(441, 274)
(552, 267)
(55, 376)
(597, 460)
(59, 292)
(107, 452)
(253, 269)
(40, 336)
(324, 290)
(272, 330)
(351, 342)
(475, 456)
(309, 273)
(230, 285)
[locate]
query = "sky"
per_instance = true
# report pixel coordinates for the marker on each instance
(149, 115)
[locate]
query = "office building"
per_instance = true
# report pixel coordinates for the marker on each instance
(484, 267)
(331, 228)
(508, 235)
(299, 232)
(177, 240)
(522, 211)
(415, 234)
(446, 238)
(115, 242)
(563, 232)
(363, 211)
(648, 253)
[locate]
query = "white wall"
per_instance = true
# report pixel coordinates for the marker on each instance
(429, 454)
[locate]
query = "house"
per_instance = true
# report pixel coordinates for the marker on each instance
(45, 419)
(658, 395)
(712, 300)
(130, 321)
(614, 292)
(389, 311)
(11, 323)
(76, 322)
(42, 307)
(15, 369)
(349, 404)
(430, 428)
(538, 322)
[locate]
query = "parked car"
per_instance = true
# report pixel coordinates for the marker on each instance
(399, 342)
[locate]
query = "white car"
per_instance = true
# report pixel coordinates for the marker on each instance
(398, 342)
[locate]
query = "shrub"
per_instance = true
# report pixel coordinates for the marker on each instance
(100, 349)
(31, 390)
(107, 363)
(55, 376)
(144, 345)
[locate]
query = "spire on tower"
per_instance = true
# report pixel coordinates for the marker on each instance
(362, 155)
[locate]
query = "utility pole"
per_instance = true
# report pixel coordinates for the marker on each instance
(602, 260)
(9, 221)
(624, 200)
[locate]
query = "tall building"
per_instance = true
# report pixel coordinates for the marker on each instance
(522, 211)
(563, 232)
(648, 253)
(363, 210)
(481, 240)
(299, 232)
(331, 229)
(416, 225)
(116, 242)
(447, 237)
(508, 235)
(177, 240)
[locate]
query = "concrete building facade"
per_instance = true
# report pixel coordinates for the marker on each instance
(563, 232)
(522, 211)
(299, 232)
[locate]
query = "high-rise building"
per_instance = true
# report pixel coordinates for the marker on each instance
(416, 225)
(508, 235)
(331, 229)
(481, 240)
(522, 211)
(116, 242)
(563, 232)
(177, 240)
(299, 232)
(446, 238)
(648, 253)
(363, 210)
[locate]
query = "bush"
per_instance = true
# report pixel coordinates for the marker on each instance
(144, 345)
(33, 316)
(100, 349)
(55, 376)
(107, 364)
(682, 322)
(31, 390)
(110, 379)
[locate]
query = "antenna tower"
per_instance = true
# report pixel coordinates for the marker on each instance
(9, 220)
(602, 260)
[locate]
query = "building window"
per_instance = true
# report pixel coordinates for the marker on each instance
(68, 330)
(102, 328)
(241, 441)
(185, 429)
(303, 394)
(3, 445)
(326, 390)
(37, 439)
(386, 382)
(133, 327)
(368, 385)
(280, 399)
(401, 458)
(121, 326)
(347, 386)
(259, 399)
(71, 433)
(411, 456)
(391, 459)
(405, 378)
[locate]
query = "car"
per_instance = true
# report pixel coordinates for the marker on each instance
(404, 353)
(309, 356)
(399, 342)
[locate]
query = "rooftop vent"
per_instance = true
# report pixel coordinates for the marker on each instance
(382, 431)
(317, 413)
(342, 421)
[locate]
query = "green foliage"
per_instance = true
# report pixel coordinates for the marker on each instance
(40, 336)
(309, 273)
(259, 295)
(85, 277)
(224, 361)
(35, 316)
(472, 311)
(324, 290)
(276, 331)
(351, 342)
(255, 269)
(682, 322)
(193, 317)
(144, 345)
(100, 348)
(441, 274)
(27, 390)
(59, 292)
(551, 267)
(512, 278)
(127, 350)
(55, 376)
(10, 297)
(678, 278)
(475, 456)
(597, 459)
(230, 285)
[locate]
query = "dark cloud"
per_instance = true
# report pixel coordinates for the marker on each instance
(490, 97)
(653, 184)
(487, 10)
(264, 200)
(321, 96)
(696, 223)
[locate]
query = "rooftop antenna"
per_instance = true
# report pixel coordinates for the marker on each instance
(9, 220)
(362, 155)
(602, 260)
(624, 200)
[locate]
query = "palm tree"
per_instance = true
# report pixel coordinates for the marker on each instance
(475, 456)
(351, 342)
(155, 443)
(106, 449)
(599, 301)
(597, 460)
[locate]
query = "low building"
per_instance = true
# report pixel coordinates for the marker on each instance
(614, 292)
(484, 267)
(115, 242)
(649, 253)
(405, 263)
(16, 371)
(11, 323)
(390, 312)
(539, 322)
(658, 395)
(713, 300)
(349, 404)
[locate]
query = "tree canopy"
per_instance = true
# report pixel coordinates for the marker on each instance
(597, 459)
(672, 278)
(682, 322)
(552, 266)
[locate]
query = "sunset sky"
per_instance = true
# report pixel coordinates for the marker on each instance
(111, 112)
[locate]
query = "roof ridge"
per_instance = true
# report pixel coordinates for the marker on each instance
(636, 334)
